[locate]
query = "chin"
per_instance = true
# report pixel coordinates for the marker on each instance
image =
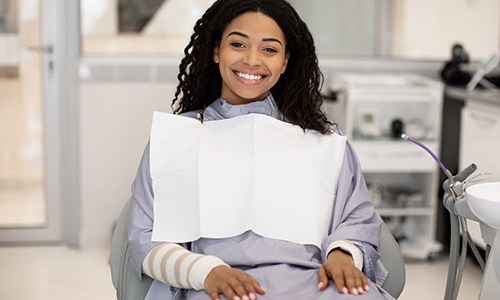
(253, 97)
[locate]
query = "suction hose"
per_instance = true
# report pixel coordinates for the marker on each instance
(454, 249)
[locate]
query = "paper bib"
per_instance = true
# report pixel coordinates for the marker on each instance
(218, 179)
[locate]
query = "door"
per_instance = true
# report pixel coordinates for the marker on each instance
(31, 122)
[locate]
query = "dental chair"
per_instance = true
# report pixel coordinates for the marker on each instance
(129, 287)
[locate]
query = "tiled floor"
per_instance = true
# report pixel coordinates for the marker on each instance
(60, 273)
(54, 273)
(427, 280)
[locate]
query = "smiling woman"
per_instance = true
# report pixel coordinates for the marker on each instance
(257, 171)
(250, 63)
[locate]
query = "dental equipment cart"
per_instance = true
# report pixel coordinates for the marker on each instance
(466, 199)
(371, 110)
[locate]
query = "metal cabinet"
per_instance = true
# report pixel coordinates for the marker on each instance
(373, 110)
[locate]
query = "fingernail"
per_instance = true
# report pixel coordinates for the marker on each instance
(344, 290)
(320, 285)
(367, 287)
(236, 298)
(252, 296)
(354, 291)
(245, 298)
(360, 290)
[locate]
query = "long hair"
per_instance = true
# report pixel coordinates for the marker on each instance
(297, 92)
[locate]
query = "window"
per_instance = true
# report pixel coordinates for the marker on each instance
(405, 29)
(155, 27)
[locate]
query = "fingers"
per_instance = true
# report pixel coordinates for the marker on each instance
(322, 278)
(339, 280)
(350, 281)
(214, 295)
(247, 287)
(231, 292)
(347, 278)
(258, 288)
(234, 284)
(366, 285)
(244, 288)
(235, 292)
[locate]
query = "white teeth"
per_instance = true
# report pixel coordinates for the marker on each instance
(249, 76)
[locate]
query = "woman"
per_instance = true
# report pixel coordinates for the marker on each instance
(258, 57)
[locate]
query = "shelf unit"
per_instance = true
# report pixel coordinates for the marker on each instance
(402, 178)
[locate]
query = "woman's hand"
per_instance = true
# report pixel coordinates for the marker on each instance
(233, 283)
(339, 266)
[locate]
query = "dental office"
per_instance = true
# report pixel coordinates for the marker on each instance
(80, 80)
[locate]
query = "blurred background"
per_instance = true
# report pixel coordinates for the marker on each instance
(79, 81)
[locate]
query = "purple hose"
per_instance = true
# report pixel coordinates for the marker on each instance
(441, 165)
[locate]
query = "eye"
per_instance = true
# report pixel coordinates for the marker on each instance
(237, 45)
(270, 50)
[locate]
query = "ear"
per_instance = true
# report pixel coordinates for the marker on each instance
(216, 54)
(285, 63)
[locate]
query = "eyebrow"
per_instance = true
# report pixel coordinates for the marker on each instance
(247, 37)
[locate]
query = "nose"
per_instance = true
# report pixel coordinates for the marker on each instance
(252, 57)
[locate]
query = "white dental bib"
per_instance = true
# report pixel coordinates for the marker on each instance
(218, 179)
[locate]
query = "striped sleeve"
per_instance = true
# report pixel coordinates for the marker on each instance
(178, 267)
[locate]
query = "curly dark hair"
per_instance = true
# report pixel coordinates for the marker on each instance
(297, 92)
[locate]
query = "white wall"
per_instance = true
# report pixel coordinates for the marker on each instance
(115, 121)
(341, 27)
(168, 32)
(446, 22)
(10, 49)
(99, 18)
(176, 18)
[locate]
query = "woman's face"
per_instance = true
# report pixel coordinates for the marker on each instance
(251, 57)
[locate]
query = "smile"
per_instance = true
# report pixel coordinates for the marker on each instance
(249, 76)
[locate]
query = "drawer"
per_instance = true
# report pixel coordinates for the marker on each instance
(401, 156)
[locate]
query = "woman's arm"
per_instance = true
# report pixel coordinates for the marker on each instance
(354, 219)
(179, 267)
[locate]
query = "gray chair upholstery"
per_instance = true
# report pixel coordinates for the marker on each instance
(391, 257)
(129, 287)
(127, 284)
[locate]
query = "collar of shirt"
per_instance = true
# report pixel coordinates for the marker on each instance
(221, 109)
